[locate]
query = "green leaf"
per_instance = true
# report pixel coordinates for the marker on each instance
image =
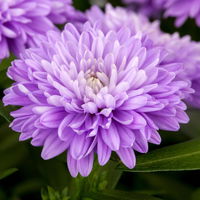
(6, 63)
(119, 195)
(101, 178)
(53, 171)
(5, 82)
(165, 185)
(3, 195)
(8, 172)
(194, 115)
(4, 112)
(52, 194)
(179, 157)
(196, 194)
(8, 138)
(49, 194)
(81, 5)
(12, 157)
(27, 186)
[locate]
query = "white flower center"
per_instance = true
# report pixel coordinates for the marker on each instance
(96, 80)
(94, 83)
(95, 77)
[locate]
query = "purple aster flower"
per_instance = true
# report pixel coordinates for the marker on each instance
(146, 7)
(180, 9)
(186, 51)
(180, 50)
(62, 11)
(89, 91)
(116, 18)
(21, 21)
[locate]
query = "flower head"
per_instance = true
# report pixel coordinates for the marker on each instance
(146, 7)
(180, 9)
(93, 92)
(183, 50)
(21, 21)
(62, 11)
(116, 18)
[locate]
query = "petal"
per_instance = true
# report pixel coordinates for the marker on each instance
(134, 103)
(18, 123)
(166, 123)
(24, 111)
(39, 139)
(25, 136)
(141, 144)
(53, 146)
(90, 107)
(103, 152)
(8, 32)
(127, 156)
(154, 137)
(127, 137)
(52, 118)
(138, 121)
(72, 165)
(111, 137)
(123, 117)
(4, 49)
(80, 146)
(182, 117)
(77, 121)
(65, 133)
(85, 165)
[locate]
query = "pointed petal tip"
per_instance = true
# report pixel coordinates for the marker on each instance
(127, 157)
(85, 165)
(72, 165)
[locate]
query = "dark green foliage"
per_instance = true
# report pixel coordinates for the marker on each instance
(179, 157)
(7, 172)
(51, 194)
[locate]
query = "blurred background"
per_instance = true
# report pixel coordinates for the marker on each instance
(25, 176)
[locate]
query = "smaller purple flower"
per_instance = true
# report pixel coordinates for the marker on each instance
(180, 9)
(62, 11)
(181, 50)
(23, 21)
(147, 7)
(186, 51)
